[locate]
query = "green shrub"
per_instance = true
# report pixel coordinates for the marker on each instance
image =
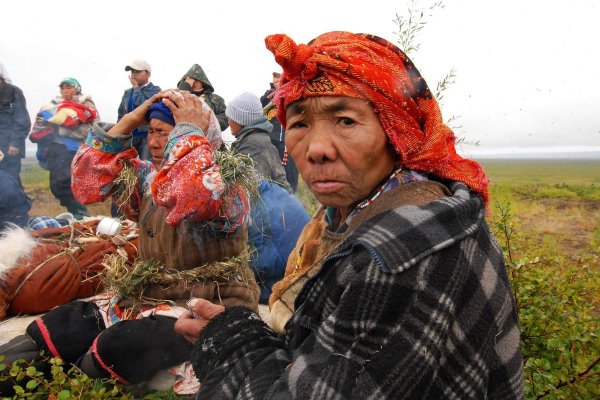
(556, 299)
(66, 384)
(61, 384)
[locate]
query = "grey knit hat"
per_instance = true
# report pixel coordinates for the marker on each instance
(245, 109)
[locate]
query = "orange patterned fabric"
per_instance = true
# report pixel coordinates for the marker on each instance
(368, 67)
(189, 196)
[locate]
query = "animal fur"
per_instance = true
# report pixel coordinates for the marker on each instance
(15, 243)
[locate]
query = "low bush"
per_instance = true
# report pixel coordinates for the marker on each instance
(557, 300)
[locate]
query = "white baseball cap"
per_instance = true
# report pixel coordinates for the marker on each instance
(139, 65)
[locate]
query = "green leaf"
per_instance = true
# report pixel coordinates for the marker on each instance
(546, 364)
(64, 395)
(32, 384)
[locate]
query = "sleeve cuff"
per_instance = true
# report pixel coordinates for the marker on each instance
(99, 140)
(180, 132)
(232, 328)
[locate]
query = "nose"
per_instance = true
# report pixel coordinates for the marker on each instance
(153, 142)
(321, 146)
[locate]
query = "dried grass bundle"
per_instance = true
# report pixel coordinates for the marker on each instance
(129, 279)
(125, 278)
(238, 169)
(125, 184)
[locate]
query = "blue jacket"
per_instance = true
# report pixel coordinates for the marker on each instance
(140, 95)
(14, 119)
(277, 220)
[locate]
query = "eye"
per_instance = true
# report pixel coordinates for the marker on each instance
(296, 125)
(344, 121)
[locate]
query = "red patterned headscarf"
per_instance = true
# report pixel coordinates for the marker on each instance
(368, 67)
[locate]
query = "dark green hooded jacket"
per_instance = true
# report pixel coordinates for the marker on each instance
(213, 100)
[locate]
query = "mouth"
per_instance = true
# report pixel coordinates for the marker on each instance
(325, 186)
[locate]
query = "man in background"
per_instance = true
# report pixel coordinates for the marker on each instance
(196, 81)
(278, 133)
(141, 90)
(14, 125)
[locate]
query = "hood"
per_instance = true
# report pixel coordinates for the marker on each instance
(198, 73)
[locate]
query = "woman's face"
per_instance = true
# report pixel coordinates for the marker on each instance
(68, 91)
(158, 136)
(340, 148)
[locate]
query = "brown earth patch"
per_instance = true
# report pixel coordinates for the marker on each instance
(568, 223)
(44, 203)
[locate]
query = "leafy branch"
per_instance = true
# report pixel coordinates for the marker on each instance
(411, 25)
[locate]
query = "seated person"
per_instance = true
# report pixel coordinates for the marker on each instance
(189, 219)
(396, 288)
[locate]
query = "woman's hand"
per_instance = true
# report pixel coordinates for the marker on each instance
(137, 117)
(192, 322)
(187, 107)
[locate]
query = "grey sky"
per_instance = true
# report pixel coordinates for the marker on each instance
(527, 70)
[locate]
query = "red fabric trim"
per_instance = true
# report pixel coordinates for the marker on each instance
(47, 339)
(106, 367)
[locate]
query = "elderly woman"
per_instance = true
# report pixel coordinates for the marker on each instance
(189, 218)
(396, 289)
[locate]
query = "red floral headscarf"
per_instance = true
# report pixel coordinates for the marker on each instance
(368, 67)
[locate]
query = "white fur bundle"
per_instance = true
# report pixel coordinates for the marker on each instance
(15, 243)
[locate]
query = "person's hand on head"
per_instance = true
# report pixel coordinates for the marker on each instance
(192, 322)
(137, 117)
(187, 107)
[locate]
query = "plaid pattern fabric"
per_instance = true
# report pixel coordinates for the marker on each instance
(415, 304)
(43, 222)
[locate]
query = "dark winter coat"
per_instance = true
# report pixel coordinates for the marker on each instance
(214, 101)
(278, 133)
(14, 118)
(414, 304)
(278, 139)
(254, 141)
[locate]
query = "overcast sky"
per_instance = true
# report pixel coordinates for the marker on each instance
(528, 71)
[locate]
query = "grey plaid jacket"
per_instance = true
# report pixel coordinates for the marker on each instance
(415, 304)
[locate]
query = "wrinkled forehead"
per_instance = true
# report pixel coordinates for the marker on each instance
(328, 105)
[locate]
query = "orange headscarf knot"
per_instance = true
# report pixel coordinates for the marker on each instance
(294, 57)
(368, 67)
